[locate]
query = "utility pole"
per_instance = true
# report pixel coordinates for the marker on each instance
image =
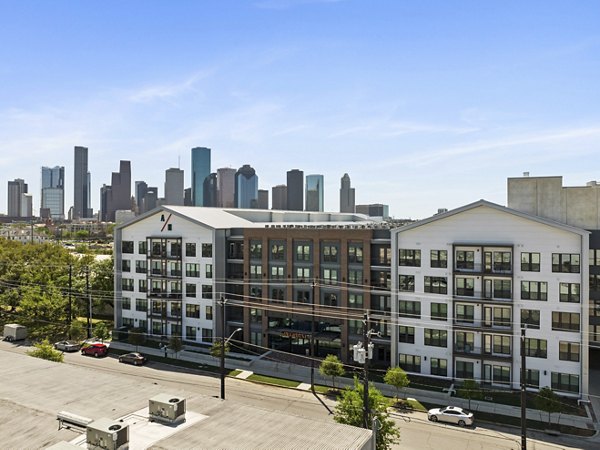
(523, 392)
(89, 296)
(366, 420)
(223, 346)
(312, 338)
(70, 313)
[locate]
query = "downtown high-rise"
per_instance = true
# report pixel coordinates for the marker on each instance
(200, 170)
(347, 202)
(81, 184)
(295, 190)
(314, 193)
(53, 193)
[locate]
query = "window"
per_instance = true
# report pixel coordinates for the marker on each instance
(142, 247)
(330, 299)
(127, 247)
(255, 291)
(208, 270)
(208, 312)
(303, 252)
(502, 289)
(277, 272)
(255, 315)
(207, 250)
(532, 378)
(127, 284)
(277, 251)
(410, 363)
(190, 333)
(126, 265)
(355, 301)
(207, 335)
(278, 294)
(330, 253)
(175, 249)
(595, 257)
(141, 266)
(439, 258)
(406, 283)
(255, 249)
(465, 286)
(381, 256)
(439, 311)
(565, 262)
(126, 303)
(565, 321)
(436, 285)
(176, 309)
(303, 274)
(158, 248)
(409, 257)
(406, 334)
(175, 269)
(464, 341)
(329, 276)
(534, 290)
(595, 281)
(141, 304)
(465, 259)
(128, 322)
(207, 291)
(355, 253)
(190, 290)
(501, 344)
(302, 296)
(190, 249)
(143, 285)
(501, 374)
(568, 351)
(176, 287)
(192, 311)
(355, 276)
(530, 262)
(409, 308)
(565, 382)
(192, 270)
(569, 292)
(464, 370)
(436, 338)
(502, 262)
(530, 318)
(536, 348)
(465, 313)
(439, 367)
(355, 327)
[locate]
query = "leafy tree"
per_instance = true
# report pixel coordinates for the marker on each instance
(332, 367)
(349, 411)
(396, 377)
(77, 331)
(175, 344)
(547, 401)
(136, 337)
(215, 349)
(102, 331)
(470, 390)
(45, 350)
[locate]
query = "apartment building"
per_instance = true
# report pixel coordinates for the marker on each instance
(465, 283)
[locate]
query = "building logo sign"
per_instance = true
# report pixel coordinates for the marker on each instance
(166, 225)
(295, 335)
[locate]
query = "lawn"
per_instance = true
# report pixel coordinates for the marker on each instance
(274, 381)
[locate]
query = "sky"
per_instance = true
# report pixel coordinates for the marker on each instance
(425, 104)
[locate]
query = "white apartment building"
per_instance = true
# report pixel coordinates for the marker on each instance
(466, 281)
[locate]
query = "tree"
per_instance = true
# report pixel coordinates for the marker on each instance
(332, 367)
(101, 331)
(547, 401)
(396, 377)
(470, 390)
(77, 331)
(136, 337)
(45, 350)
(215, 349)
(349, 411)
(175, 344)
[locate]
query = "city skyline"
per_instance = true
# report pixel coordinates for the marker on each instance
(425, 106)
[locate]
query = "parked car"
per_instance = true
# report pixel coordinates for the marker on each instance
(451, 414)
(95, 350)
(67, 346)
(137, 359)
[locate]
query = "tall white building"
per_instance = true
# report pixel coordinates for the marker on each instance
(53, 192)
(466, 281)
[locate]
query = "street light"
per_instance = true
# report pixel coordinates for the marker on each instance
(224, 342)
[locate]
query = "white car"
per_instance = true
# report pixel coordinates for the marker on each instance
(451, 414)
(67, 346)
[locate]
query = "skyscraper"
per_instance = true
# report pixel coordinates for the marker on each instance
(347, 203)
(117, 196)
(210, 190)
(81, 188)
(246, 187)
(314, 193)
(200, 170)
(263, 199)
(53, 192)
(226, 189)
(295, 190)
(174, 187)
(16, 198)
(141, 187)
(279, 194)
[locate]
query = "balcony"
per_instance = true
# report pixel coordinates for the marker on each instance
(467, 350)
(157, 293)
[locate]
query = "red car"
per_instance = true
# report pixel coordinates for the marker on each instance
(95, 350)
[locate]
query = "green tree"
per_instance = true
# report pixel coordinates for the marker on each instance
(137, 337)
(77, 330)
(546, 400)
(396, 377)
(102, 331)
(349, 411)
(332, 367)
(215, 349)
(470, 390)
(175, 344)
(45, 350)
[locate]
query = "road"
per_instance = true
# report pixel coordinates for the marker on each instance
(416, 431)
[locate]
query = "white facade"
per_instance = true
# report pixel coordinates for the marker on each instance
(464, 282)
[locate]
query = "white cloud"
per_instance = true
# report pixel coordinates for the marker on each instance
(169, 91)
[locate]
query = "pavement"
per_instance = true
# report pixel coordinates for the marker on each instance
(257, 364)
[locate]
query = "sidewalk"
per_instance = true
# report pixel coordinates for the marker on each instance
(302, 374)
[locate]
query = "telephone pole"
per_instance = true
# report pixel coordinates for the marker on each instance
(366, 385)
(523, 392)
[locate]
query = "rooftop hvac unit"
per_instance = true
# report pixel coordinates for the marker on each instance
(167, 408)
(106, 434)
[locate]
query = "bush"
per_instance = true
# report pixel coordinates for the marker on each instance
(45, 350)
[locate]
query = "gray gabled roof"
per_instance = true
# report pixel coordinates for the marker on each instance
(480, 203)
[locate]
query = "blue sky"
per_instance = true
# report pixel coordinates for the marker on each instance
(425, 104)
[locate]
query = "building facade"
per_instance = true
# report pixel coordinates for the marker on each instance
(347, 202)
(246, 187)
(117, 195)
(17, 202)
(295, 190)
(53, 192)
(314, 193)
(81, 185)
(200, 170)
(226, 187)
(210, 190)
(174, 181)
(263, 199)
(279, 197)
(466, 282)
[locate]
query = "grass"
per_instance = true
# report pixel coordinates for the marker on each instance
(274, 381)
(234, 373)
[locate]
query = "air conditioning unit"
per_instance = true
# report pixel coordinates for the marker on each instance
(167, 408)
(107, 434)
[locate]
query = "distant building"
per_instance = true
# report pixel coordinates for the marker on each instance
(295, 190)
(200, 170)
(141, 187)
(53, 192)
(314, 193)
(16, 198)
(226, 187)
(174, 187)
(81, 185)
(210, 190)
(263, 199)
(279, 197)
(347, 204)
(246, 187)
(150, 199)
(187, 197)
(374, 210)
(117, 196)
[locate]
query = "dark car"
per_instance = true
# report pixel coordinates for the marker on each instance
(94, 350)
(137, 359)
(67, 346)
